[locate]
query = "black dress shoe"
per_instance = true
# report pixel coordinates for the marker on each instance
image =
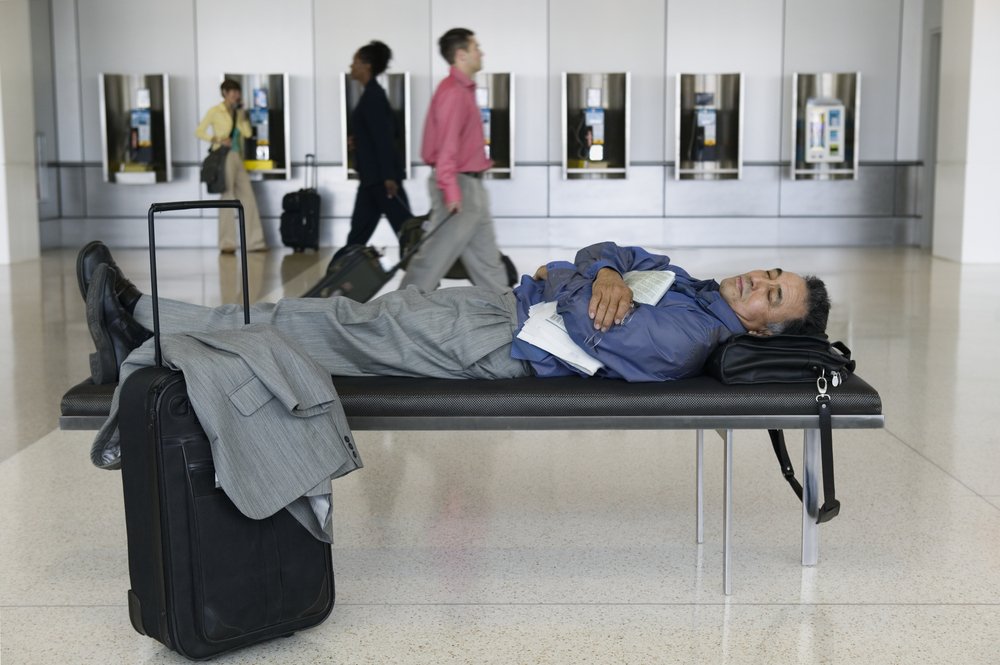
(93, 254)
(114, 331)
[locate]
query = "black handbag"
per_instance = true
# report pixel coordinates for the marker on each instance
(745, 359)
(780, 359)
(213, 170)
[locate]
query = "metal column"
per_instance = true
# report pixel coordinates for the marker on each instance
(727, 518)
(700, 487)
(811, 463)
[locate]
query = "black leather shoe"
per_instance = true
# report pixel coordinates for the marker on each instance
(114, 331)
(93, 254)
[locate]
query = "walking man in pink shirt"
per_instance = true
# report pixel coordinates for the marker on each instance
(454, 146)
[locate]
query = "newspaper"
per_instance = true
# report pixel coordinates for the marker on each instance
(546, 329)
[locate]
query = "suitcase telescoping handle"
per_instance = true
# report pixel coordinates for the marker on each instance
(413, 249)
(311, 169)
(193, 205)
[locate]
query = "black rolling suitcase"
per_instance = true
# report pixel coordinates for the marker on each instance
(205, 578)
(357, 273)
(300, 212)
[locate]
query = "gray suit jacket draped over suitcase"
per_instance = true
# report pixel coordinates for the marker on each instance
(205, 578)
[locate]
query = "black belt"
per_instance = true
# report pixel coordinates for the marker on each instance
(472, 174)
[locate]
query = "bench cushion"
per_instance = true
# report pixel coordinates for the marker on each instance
(395, 403)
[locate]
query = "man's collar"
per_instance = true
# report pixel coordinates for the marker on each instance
(461, 78)
(722, 311)
(707, 291)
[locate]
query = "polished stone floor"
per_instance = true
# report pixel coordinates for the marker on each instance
(562, 547)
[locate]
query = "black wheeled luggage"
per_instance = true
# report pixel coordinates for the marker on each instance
(356, 273)
(205, 579)
(300, 212)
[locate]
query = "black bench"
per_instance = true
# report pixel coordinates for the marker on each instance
(700, 403)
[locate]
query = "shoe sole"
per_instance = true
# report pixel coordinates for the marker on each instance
(103, 363)
(79, 267)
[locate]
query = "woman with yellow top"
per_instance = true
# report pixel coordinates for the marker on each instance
(229, 126)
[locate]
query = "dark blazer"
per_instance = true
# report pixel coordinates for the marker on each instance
(374, 128)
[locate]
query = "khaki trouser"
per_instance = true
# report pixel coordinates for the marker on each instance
(238, 187)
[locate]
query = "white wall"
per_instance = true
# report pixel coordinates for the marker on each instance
(18, 206)
(967, 221)
(536, 40)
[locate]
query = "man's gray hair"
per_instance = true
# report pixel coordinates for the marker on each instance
(817, 312)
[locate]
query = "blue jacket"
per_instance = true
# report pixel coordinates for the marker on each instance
(670, 340)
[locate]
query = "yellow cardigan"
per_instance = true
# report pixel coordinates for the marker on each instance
(221, 122)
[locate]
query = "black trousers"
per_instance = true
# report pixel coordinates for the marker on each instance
(369, 206)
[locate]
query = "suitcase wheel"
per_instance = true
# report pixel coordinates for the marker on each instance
(135, 612)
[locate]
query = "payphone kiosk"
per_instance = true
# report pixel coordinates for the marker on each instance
(397, 89)
(595, 125)
(495, 99)
(135, 128)
(824, 131)
(266, 152)
(708, 127)
(825, 126)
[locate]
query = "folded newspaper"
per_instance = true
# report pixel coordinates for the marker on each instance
(546, 329)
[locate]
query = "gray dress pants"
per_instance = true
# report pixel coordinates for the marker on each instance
(469, 236)
(456, 333)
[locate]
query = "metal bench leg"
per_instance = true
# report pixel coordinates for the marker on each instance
(699, 473)
(811, 463)
(727, 518)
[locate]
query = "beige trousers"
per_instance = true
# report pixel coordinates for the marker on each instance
(238, 187)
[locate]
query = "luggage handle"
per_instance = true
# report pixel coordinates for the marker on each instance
(193, 205)
(416, 246)
(311, 164)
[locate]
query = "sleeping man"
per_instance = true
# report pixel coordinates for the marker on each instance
(471, 332)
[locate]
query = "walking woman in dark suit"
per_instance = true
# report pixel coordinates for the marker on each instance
(376, 159)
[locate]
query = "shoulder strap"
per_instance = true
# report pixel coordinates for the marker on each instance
(830, 507)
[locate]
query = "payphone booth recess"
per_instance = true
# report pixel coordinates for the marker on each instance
(825, 126)
(495, 99)
(135, 128)
(708, 129)
(397, 89)
(266, 153)
(595, 125)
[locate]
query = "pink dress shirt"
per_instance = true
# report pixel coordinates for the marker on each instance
(453, 134)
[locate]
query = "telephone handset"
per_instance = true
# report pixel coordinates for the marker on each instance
(140, 133)
(704, 124)
(590, 135)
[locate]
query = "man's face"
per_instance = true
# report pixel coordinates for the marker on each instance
(471, 58)
(765, 296)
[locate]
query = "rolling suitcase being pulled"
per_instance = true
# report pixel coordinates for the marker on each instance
(300, 212)
(357, 273)
(205, 579)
